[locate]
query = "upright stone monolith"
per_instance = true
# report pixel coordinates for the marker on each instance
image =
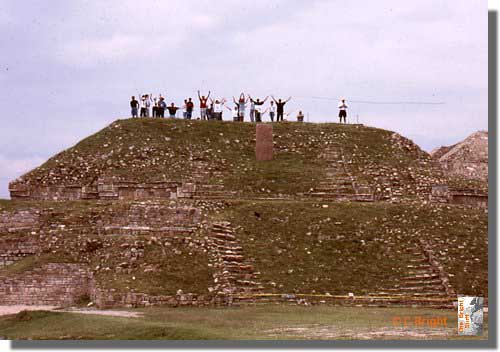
(264, 142)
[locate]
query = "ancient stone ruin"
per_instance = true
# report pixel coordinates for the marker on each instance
(131, 224)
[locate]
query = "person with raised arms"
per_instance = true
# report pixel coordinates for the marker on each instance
(217, 108)
(203, 105)
(280, 107)
(235, 111)
(257, 108)
(241, 106)
(145, 103)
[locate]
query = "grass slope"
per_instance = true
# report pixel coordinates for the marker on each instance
(305, 248)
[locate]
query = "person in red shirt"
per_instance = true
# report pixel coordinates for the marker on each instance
(203, 105)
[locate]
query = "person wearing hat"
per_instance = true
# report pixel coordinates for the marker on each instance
(342, 110)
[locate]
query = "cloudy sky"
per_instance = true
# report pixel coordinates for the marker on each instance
(68, 68)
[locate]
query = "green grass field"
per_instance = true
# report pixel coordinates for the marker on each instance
(267, 322)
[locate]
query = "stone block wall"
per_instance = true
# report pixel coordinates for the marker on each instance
(106, 188)
(18, 220)
(57, 284)
(155, 215)
(14, 249)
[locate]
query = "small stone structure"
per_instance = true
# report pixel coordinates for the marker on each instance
(264, 142)
(470, 197)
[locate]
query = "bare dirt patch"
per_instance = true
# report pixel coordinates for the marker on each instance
(315, 332)
(6, 310)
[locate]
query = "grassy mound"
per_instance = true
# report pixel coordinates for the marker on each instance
(175, 150)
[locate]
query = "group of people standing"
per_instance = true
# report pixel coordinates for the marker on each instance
(211, 109)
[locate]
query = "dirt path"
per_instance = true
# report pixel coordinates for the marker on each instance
(6, 310)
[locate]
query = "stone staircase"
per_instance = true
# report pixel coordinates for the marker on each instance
(234, 273)
(339, 184)
(426, 282)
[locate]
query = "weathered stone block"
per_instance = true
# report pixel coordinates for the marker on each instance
(264, 142)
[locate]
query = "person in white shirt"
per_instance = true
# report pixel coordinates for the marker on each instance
(342, 110)
(235, 111)
(272, 111)
(144, 104)
(218, 104)
(241, 103)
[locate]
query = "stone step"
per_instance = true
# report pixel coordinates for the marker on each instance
(248, 283)
(419, 266)
(405, 293)
(337, 179)
(222, 226)
(212, 196)
(232, 258)
(365, 197)
(416, 282)
(229, 252)
(205, 187)
(334, 188)
(241, 276)
(250, 289)
(224, 236)
(425, 288)
(242, 267)
(224, 242)
(337, 195)
(224, 249)
(203, 193)
(421, 274)
(224, 245)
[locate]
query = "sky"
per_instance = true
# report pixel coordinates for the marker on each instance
(68, 68)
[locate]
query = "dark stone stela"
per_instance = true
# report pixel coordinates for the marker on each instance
(264, 142)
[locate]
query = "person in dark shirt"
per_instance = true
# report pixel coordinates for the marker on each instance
(134, 106)
(172, 109)
(189, 109)
(258, 108)
(280, 107)
(161, 107)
